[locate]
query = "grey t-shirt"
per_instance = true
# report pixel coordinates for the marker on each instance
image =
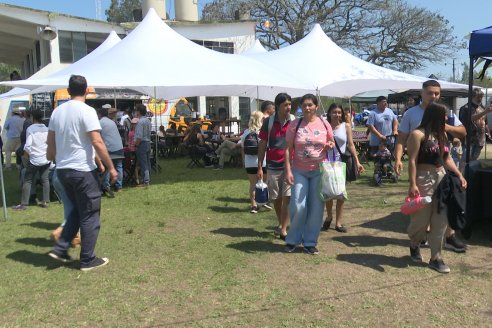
(110, 135)
(413, 116)
(383, 122)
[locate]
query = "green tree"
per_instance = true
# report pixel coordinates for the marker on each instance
(5, 70)
(121, 11)
(388, 33)
(486, 82)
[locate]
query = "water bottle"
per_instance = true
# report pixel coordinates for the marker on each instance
(261, 193)
(412, 205)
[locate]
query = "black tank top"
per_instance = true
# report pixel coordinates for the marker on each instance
(429, 153)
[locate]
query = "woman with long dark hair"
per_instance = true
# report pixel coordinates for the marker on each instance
(428, 153)
(342, 131)
(308, 139)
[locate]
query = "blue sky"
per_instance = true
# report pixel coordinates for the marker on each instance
(464, 16)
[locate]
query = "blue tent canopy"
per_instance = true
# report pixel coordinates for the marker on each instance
(481, 43)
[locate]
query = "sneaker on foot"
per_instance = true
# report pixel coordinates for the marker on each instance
(19, 207)
(108, 193)
(43, 205)
(65, 258)
(254, 210)
(290, 248)
(415, 254)
(311, 250)
(454, 244)
(96, 263)
(439, 266)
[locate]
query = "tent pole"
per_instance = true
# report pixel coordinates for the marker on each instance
(156, 129)
(5, 215)
(114, 97)
(468, 118)
(257, 98)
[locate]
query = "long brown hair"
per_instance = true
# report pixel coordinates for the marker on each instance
(433, 123)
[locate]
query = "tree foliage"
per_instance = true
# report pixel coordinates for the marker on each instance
(5, 71)
(121, 11)
(388, 33)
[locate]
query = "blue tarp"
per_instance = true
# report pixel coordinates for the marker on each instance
(481, 43)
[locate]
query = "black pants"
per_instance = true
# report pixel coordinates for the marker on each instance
(84, 191)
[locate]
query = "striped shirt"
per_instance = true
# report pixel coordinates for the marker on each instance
(276, 143)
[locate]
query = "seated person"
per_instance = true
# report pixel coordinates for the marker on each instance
(383, 157)
(172, 130)
(226, 148)
(196, 139)
(216, 135)
(161, 132)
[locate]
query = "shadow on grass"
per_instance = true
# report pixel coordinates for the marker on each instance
(233, 200)
(241, 232)
(42, 242)
(42, 225)
(395, 222)
(256, 246)
(36, 259)
(377, 261)
(226, 209)
(370, 241)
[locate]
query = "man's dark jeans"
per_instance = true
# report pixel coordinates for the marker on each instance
(84, 191)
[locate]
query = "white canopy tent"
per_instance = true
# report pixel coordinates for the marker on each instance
(334, 72)
(110, 41)
(156, 60)
(256, 48)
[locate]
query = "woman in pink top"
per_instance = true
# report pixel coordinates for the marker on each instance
(308, 139)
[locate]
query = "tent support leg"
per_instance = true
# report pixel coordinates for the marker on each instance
(5, 214)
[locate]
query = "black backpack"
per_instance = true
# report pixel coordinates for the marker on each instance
(251, 144)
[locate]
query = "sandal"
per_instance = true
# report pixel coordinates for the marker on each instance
(326, 224)
(341, 229)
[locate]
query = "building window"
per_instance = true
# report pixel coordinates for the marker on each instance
(244, 110)
(225, 47)
(217, 108)
(75, 45)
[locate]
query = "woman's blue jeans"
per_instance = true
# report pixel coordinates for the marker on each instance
(60, 191)
(305, 208)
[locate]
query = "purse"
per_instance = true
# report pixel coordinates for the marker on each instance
(332, 182)
(351, 168)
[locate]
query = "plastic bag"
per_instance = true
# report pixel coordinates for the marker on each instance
(332, 183)
(261, 193)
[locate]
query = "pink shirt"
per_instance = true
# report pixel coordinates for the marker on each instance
(309, 143)
(131, 140)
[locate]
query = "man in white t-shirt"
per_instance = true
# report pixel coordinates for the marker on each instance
(431, 91)
(74, 139)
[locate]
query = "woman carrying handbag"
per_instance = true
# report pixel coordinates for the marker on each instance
(342, 132)
(308, 139)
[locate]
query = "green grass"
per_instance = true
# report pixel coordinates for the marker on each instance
(186, 252)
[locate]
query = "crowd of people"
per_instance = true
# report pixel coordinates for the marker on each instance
(277, 148)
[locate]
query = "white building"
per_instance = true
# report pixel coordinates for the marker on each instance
(41, 42)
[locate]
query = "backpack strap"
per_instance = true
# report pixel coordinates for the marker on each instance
(271, 119)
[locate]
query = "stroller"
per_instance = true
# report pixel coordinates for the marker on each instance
(384, 168)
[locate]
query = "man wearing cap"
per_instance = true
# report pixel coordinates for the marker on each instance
(112, 140)
(14, 127)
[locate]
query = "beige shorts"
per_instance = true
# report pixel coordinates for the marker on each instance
(277, 184)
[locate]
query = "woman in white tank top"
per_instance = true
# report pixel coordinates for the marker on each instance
(342, 132)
